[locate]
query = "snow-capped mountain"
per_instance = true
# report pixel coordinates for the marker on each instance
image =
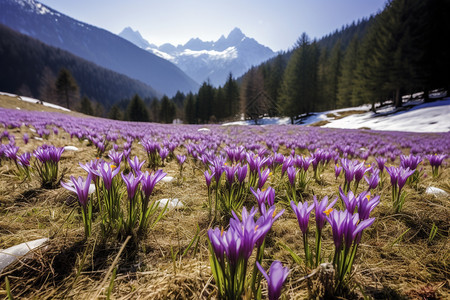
(94, 44)
(210, 60)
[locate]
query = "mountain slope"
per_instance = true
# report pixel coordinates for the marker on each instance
(28, 64)
(209, 60)
(94, 44)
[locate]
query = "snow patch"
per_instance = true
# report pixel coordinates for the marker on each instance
(431, 190)
(10, 255)
(422, 117)
(33, 100)
(71, 148)
(171, 203)
(167, 179)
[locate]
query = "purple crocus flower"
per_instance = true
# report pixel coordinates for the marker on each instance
(10, 151)
(393, 172)
(288, 162)
(267, 195)
(215, 237)
(302, 211)
(263, 176)
(163, 153)
(292, 172)
(79, 187)
(241, 173)
(337, 170)
(230, 171)
(92, 167)
(403, 175)
(107, 172)
(348, 226)
(322, 209)
(26, 138)
(353, 229)
(399, 175)
(24, 159)
(181, 159)
(217, 168)
(381, 161)
(116, 157)
(248, 231)
(148, 181)
(265, 222)
(366, 205)
(373, 180)
(360, 170)
(436, 159)
(349, 169)
(136, 165)
(132, 183)
(410, 161)
(277, 276)
(350, 200)
(338, 220)
(208, 177)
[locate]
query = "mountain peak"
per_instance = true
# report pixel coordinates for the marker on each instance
(134, 37)
(235, 34)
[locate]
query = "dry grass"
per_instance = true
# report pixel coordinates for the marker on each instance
(396, 260)
(16, 103)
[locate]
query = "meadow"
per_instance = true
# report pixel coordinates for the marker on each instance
(337, 213)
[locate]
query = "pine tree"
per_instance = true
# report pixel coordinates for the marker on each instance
(220, 105)
(66, 86)
(189, 109)
(255, 102)
(114, 113)
(86, 106)
(346, 82)
(205, 101)
(136, 110)
(335, 73)
(273, 80)
(167, 110)
(154, 109)
(231, 91)
(299, 88)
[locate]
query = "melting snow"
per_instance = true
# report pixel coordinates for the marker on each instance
(33, 100)
(436, 191)
(423, 117)
(167, 179)
(10, 255)
(173, 203)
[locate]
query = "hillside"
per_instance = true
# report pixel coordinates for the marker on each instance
(30, 65)
(94, 44)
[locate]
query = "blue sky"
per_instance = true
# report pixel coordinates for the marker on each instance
(276, 23)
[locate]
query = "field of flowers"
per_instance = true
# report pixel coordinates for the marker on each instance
(141, 210)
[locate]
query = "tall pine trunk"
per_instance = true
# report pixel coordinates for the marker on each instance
(398, 98)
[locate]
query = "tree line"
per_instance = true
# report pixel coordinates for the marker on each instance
(400, 51)
(32, 68)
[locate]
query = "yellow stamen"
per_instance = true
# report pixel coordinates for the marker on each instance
(113, 167)
(328, 211)
(368, 197)
(270, 174)
(256, 227)
(221, 231)
(274, 212)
